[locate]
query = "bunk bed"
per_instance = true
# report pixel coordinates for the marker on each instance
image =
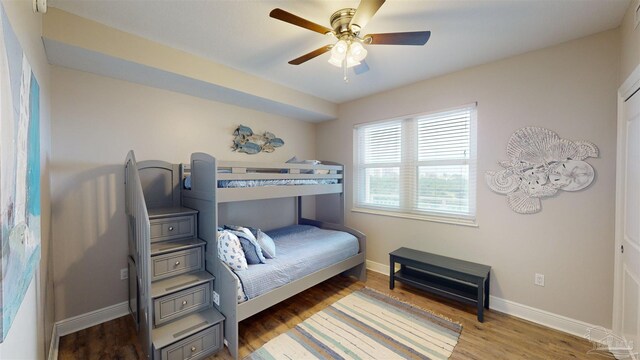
(208, 183)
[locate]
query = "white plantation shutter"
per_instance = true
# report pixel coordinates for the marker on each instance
(423, 165)
(379, 163)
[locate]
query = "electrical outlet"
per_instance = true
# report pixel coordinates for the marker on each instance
(539, 280)
(216, 298)
(124, 274)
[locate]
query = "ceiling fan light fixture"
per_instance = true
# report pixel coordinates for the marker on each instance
(340, 47)
(335, 61)
(357, 51)
(338, 53)
(351, 62)
(352, 52)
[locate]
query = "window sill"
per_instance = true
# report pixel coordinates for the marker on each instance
(462, 222)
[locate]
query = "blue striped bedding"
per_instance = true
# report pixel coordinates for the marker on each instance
(273, 182)
(301, 250)
(186, 182)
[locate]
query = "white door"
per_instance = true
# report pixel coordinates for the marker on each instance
(627, 285)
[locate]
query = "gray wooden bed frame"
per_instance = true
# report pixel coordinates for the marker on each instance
(139, 247)
(205, 197)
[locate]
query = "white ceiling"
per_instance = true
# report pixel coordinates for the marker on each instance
(240, 34)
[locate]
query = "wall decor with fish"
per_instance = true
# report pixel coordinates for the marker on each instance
(540, 164)
(248, 142)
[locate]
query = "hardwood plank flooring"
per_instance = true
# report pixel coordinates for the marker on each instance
(499, 337)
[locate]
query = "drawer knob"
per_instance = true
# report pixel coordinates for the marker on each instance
(184, 302)
(177, 263)
(193, 349)
(170, 228)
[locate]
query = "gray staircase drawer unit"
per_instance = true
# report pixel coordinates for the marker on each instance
(181, 303)
(196, 346)
(173, 228)
(175, 263)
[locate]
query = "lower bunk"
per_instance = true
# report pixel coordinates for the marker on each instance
(308, 254)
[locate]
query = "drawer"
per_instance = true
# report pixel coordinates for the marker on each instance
(175, 263)
(181, 303)
(173, 228)
(196, 346)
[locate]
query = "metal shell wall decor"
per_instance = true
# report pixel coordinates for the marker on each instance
(249, 143)
(540, 164)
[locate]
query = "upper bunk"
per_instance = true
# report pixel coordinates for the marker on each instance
(228, 181)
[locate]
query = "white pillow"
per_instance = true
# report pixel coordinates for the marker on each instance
(230, 251)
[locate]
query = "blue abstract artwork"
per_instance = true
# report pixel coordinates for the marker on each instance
(19, 174)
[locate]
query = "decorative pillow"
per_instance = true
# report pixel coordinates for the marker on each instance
(233, 227)
(266, 243)
(250, 250)
(230, 251)
(245, 233)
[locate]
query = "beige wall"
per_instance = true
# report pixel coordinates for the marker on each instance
(630, 58)
(571, 89)
(30, 333)
(96, 121)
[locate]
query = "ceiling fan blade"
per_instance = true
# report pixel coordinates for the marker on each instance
(308, 56)
(364, 13)
(298, 21)
(400, 38)
(362, 68)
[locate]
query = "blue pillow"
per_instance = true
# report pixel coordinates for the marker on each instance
(243, 232)
(250, 251)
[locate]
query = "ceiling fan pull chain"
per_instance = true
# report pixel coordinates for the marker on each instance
(344, 69)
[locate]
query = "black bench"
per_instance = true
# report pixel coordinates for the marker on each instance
(451, 278)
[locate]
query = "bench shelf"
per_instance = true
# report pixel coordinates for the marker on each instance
(454, 279)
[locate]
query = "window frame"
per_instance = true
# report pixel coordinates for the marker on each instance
(409, 170)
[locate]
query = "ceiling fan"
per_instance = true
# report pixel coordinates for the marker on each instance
(349, 50)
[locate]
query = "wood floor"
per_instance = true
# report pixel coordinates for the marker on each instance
(499, 337)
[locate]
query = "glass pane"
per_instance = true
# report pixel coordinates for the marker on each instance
(382, 187)
(443, 189)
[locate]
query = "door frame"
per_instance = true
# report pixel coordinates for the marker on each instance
(630, 85)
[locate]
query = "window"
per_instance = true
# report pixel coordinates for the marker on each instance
(422, 166)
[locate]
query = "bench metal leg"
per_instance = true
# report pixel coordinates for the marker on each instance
(392, 271)
(481, 300)
(486, 291)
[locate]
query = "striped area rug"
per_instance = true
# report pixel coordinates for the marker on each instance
(365, 325)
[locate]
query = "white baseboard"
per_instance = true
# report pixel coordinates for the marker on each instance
(378, 267)
(538, 316)
(555, 321)
(83, 321)
(80, 322)
(55, 342)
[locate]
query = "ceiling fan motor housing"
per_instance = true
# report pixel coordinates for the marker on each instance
(340, 22)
